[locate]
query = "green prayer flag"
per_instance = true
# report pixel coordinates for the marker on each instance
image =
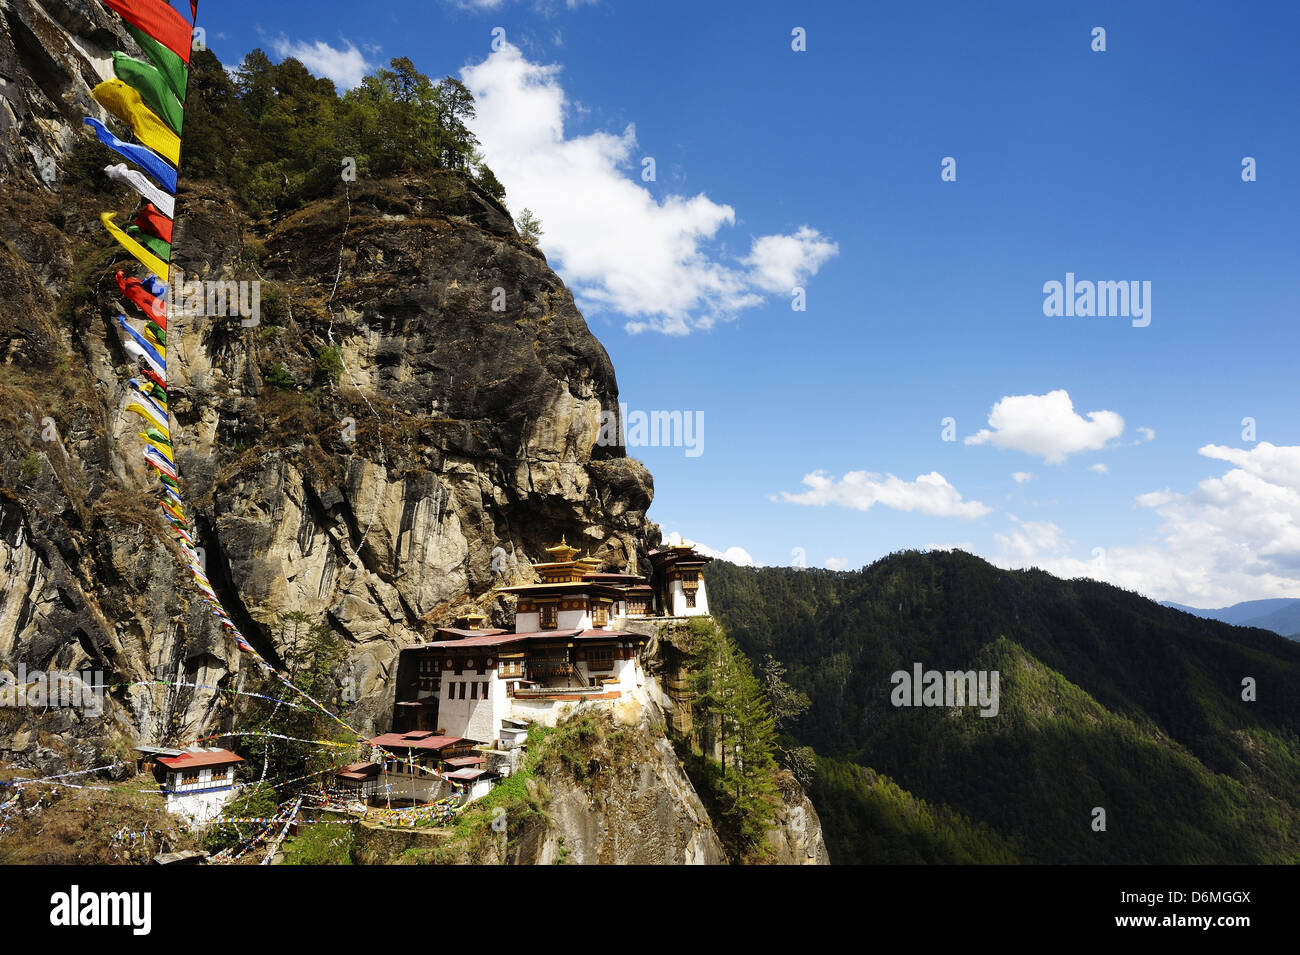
(154, 244)
(171, 66)
(152, 87)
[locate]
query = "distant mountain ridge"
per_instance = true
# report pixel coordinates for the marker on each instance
(1279, 614)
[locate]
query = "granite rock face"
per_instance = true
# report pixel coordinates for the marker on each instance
(412, 418)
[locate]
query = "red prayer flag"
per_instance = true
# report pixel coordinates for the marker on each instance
(155, 379)
(134, 290)
(154, 222)
(160, 20)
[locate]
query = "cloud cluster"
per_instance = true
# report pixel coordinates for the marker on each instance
(1031, 540)
(346, 65)
(1234, 537)
(623, 250)
(1047, 426)
(860, 490)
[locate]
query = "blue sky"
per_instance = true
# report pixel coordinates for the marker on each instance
(924, 298)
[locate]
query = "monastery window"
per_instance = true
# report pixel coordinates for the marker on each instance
(600, 615)
(690, 598)
(600, 658)
(550, 616)
(485, 689)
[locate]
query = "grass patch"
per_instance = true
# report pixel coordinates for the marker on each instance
(320, 844)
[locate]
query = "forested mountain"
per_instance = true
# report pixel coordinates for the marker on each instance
(1107, 700)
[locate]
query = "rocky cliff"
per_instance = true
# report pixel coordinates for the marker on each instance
(411, 417)
(449, 432)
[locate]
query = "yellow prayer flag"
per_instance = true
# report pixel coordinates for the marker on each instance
(125, 103)
(146, 258)
(158, 446)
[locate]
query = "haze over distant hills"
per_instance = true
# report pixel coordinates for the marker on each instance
(1279, 614)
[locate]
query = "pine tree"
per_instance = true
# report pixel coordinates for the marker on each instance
(529, 226)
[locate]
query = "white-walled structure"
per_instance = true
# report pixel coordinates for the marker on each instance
(198, 782)
(679, 580)
(566, 647)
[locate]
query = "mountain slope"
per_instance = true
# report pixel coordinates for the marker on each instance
(1107, 701)
(1285, 620)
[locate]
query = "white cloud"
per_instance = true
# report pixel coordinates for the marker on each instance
(623, 248)
(1047, 426)
(1277, 465)
(859, 490)
(1031, 539)
(347, 66)
(1022, 477)
(837, 563)
(1144, 435)
(1099, 468)
(1154, 498)
(780, 262)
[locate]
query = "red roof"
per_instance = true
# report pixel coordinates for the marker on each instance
(204, 758)
(418, 740)
(495, 641)
(466, 761)
(608, 635)
(529, 635)
(467, 775)
(358, 770)
(483, 632)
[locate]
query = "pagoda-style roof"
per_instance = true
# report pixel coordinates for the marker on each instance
(562, 552)
(683, 554)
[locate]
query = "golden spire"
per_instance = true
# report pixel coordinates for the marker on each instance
(562, 552)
